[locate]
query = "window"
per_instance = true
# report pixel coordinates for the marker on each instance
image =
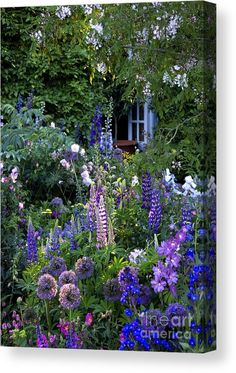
(138, 122)
(141, 122)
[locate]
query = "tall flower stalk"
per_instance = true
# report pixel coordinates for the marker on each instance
(102, 226)
(154, 218)
(32, 253)
(96, 128)
(146, 190)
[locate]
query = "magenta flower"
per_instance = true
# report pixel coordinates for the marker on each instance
(89, 319)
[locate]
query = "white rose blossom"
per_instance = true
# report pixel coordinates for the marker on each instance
(75, 148)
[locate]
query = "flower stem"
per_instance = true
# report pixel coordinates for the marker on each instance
(47, 315)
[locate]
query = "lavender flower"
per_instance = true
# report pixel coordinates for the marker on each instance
(154, 218)
(47, 287)
(67, 277)
(69, 296)
(31, 245)
(111, 290)
(84, 268)
(165, 274)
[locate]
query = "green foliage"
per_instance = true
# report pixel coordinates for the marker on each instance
(49, 56)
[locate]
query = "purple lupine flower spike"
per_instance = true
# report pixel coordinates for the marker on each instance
(32, 253)
(146, 190)
(154, 218)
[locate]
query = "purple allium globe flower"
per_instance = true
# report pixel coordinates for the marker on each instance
(57, 266)
(151, 319)
(69, 296)
(45, 270)
(57, 201)
(145, 295)
(176, 314)
(47, 287)
(67, 277)
(84, 268)
(111, 290)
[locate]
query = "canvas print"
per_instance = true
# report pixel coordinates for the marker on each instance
(108, 177)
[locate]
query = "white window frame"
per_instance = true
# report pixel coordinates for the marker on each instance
(137, 121)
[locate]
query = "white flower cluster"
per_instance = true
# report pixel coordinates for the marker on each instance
(180, 80)
(169, 31)
(86, 175)
(211, 186)
(189, 187)
(96, 29)
(75, 148)
(38, 36)
(173, 25)
(135, 181)
(63, 11)
(176, 165)
(146, 85)
(137, 256)
(101, 67)
(88, 8)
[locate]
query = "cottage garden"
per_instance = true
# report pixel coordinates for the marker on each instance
(103, 249)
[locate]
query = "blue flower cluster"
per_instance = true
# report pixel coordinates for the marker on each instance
(201, 283)
(53, 245)
(131, 337)
(106, 144)
(129, 285)
(96, 129)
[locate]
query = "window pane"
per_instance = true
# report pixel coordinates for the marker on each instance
(141, 112)
(141, 131)
(134, 134)
(134, 112)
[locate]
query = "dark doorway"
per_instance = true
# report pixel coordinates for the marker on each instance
(120, 128)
